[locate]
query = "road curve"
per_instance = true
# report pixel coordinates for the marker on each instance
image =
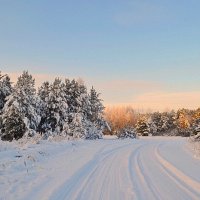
(149, 168)
(139, 170)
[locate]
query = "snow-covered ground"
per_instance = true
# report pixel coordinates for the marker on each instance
(145, 169)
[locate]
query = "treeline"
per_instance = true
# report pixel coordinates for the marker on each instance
(63, 108)
(183, 122)
(67, 109)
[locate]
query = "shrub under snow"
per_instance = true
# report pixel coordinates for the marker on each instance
(127, 133)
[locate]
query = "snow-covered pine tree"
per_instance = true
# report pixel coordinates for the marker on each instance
(23, 104)
(152, 126)
(164, 122)
(183, 122)
(142, 126)
(155, 123)
(76, 95)
(13, 124)
(77, 99)
(82, 111)
(95, 116)
(43, 95)
(195, 132)
(77, 128)
(96, 107)
(5, 89)
(28, 102)
(195, 128)
(169, 126)
(54, 111)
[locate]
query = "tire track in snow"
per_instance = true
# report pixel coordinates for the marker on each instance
(151, 184)
(183, 181)
(99, 175)
(137, 173)
(42, 186)
(104, 168)
(76, 184)
(116, 170)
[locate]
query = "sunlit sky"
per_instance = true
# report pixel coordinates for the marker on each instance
(144, 53)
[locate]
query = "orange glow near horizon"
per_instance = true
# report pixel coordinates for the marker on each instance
(113, 94)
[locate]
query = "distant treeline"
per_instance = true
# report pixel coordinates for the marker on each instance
(183, 122)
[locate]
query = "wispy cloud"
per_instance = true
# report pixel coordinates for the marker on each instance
(166, 101)
(139, 12)
(117, 85)
(122, 91)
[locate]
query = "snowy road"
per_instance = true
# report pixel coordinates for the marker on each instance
(148, 168)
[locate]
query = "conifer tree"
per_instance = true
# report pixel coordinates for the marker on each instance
(142, 126)
(95, 116)
(195, 128)
(54, 108)
(96, 107)
(43, 95)
(156, 123)
(13, 124)
(169, 123)
(5, 89)
(183, 122)
(77, 99)
(22, 103)
(163, 123)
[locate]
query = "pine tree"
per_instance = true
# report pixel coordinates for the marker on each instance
(77, 126)
(95, 116)
(77, 99)
(54, 109)
(156, 123)
(169, 123)
(43, 95)
(195, 128)
(96, 107)
(142, 126)
(58, 109)
(183, 122)
(5, 89)
(163, 123)
(22, 103)
(14, 126)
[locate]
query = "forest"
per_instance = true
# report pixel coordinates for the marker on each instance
(67, 109)
(62, 108)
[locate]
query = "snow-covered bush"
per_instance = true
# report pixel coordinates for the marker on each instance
(127, 133)
(93, 132)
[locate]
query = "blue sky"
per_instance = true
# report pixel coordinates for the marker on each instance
(136, 47)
